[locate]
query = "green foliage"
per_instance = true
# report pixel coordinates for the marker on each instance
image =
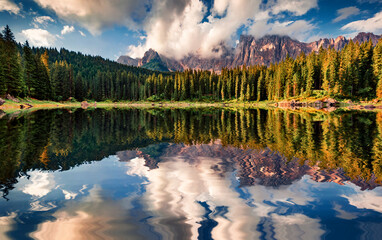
(156, 65)
(354, 72)
(10, 64)
(154, 98)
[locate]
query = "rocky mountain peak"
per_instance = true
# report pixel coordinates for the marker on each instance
(249, 51)
(149, 55)
(365, 37)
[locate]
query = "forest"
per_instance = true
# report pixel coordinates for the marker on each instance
(355, 72)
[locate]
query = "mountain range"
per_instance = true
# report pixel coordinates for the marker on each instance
(249, 51)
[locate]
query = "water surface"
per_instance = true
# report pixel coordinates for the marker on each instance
(191, 174)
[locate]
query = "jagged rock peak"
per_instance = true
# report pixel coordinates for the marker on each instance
(249, 51)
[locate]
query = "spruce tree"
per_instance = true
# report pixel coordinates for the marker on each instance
(377, 67)
(11, 60)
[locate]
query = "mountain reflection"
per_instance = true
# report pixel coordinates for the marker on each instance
(348, 144)
(191, 194)
(255, 167)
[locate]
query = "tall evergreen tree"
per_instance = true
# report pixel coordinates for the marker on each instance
(377, 67)
(11, 61)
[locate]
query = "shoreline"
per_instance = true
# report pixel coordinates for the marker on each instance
(28, 105)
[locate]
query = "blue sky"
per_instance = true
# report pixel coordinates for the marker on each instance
(176, 28)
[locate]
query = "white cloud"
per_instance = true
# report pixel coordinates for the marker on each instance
(96, 16)
(373, 24)
(177, 28)
(39, 37)
(9, 6)
(82, 33)
(300, 29)
(43, 20)
(177, 33)
(298, 7)
(345, 13)
(67, 29)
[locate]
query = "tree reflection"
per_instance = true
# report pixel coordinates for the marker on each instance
(63, 139)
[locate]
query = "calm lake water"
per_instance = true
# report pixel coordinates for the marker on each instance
(191, 174)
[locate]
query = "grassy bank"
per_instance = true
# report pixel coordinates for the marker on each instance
(32, 104)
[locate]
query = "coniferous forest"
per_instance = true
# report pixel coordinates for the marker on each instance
(354, 72)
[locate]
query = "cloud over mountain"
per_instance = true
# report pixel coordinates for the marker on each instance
(177, 28)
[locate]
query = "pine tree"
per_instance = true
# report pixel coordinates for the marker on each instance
(377, 67)
(2, 66)
(11, 61)
(29, 69)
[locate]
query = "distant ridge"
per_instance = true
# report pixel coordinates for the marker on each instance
(250, 51)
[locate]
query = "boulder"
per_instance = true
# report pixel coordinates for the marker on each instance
(2, 101)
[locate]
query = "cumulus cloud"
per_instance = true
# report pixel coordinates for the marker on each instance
(9, 6)
(176, 33)
(298, 7)
(96, 16)
(42, 20)
(177, 28)
(345, 13)
(67, 29)
(39, 37)
(373, 24)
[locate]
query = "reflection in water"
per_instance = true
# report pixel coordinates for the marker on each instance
(347, 142)
(6, 224)
(192, 180)
(94, 217)
(41, 183)
(191, 174)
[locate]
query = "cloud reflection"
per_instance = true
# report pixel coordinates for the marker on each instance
(366, 200)
(177, 188)
(96, 216)
(7, 224)
(41, 183)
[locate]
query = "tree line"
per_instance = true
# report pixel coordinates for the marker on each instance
(60, 75)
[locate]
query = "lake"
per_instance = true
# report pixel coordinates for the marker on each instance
(191, 174)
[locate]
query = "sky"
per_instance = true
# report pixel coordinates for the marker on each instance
(176, 28)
